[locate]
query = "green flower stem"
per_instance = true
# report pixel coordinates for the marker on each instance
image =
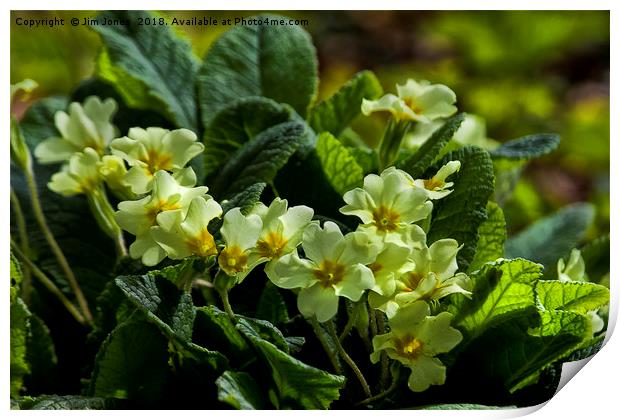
(104, 214)
(381, 327)
(345, 356)
(390, 142)
(24, 243)
(383, 394)
(352, 318)
(320, 335)
(226, 304)
(60, 256)
(49, 285)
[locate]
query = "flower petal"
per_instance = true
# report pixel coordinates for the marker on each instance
(318, 301)
(426, 371)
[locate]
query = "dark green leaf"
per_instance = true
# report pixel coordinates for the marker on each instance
(215, 330)
(239, 390)
(501, 290)
(366, 158)
(153, 69)
(553, 237)
(278, 62)
(131, 364)
(162, 303)
(336, 113)
(460, 214)
(41, 357)
(38, 123)
(271, 305)
(341, 168)
(596, 257)
(527, 147)
(417, 163)
(491, 237)
(298, 385)
(579, 297)
(260, 159)
(463, 407)
(239, 122)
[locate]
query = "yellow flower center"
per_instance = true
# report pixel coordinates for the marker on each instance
(409, 347)
(375, 267)
(271, 245)
(329, 273)
(202, 244)
(233, 260)
(156, 160)
(412, 280)
(158, 207)
(412, 105)
(385, 218)
(432, 184)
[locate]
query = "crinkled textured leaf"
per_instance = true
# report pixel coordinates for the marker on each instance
(38, 122)
(551, 238)
(341, 168)
(66, 402)
(16, 277)
(501, 290)
(366, 158)
(215, 330)
(417, 163)
(260, 159)
(239, 122)
(527, 147)
(158, 60)
(162, 303)
(460, 214)
(271, 305)
(41, 357)
(278, 62)
(20, 329)
(463, 407)
(298, 385)
(579, 297)
(587, 349)
(491, 237)
(131, 364)
(240, 390)
(336, 113)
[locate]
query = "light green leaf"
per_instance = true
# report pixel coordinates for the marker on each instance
(151, 69)
(460, 214)
(278, 62)
(336, 113)
(20, 330)
(366, 158)
(131, 364)
(66, 402)
(579, 297)
(491, 237)
(501, 290)
(527, 147)
(418, 162)
(239, 122)
(552, 237)
(298, 385)
(341, 168)
(260, 159)
(239, 390)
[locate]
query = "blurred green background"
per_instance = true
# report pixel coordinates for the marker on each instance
(523, 72)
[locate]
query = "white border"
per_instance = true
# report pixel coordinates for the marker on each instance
(592, 393)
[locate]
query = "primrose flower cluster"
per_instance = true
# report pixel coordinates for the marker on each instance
(385, 262)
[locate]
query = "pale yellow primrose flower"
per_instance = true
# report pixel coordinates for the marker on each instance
(87, 125)
(113, 170)
(428, 275)
(437, 187)
(416, 101)
(78, 176)
(189, 236)
(138, 216)
(575, 270)
(335, 265)
(240, 234)
(148, 151)
(414, 339)
(387, 205)
(282, 228)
